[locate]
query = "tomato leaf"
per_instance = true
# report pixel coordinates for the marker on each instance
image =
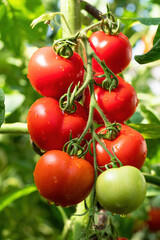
(152, 191)
(151, 56)
(10, 197)
(157, 35)
(150, 114)
(13, 101)
(2, 107)
(145, 21)
(149, 131)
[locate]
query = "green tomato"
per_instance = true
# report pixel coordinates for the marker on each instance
(121, 190)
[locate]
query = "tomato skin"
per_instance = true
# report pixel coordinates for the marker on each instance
(50, 128)
(154, 219)
(129, 147)
(118, 105)
(60, 178)
(115, 50)
(51, 75)
(121, 190)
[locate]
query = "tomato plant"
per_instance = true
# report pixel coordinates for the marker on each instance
(66, 178)
(60, 178)
(121, 190)
(51, 74)
(50, 128)
(134, 154)
(115, 50)
(118, 105)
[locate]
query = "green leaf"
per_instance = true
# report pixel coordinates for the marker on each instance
(2, 107)
(151, 56)
(149, 131)
(152, 192)
(18, 15)
(157, 35)
(150, 114)
(13, 101)
(9, 198)
(145, 21)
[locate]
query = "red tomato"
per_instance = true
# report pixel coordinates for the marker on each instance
(115, 50)
(50, 128)
(122, 238)
(129, 147)
(154, 219)
(63, 179)
(51, 75)
(118, 105)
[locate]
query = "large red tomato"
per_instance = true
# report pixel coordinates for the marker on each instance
(49, 127)
(51, 75)
(118, 105)
(115, 50)
(129, 147)
(63, 179)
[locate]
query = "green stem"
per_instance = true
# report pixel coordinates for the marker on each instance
(63, 214)
(14, 128)
(71, 11)
(152, 179)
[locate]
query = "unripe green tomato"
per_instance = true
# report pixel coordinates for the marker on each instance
(121, 190)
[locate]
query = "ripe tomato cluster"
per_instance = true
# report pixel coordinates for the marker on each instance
(67, 180)
(57, 174)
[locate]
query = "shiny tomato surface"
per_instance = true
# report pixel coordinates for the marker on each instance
(121, 190)
(50, 128)
(129, 147)
(51, 75)
(118, 105)
(63, 179)
(115, 50)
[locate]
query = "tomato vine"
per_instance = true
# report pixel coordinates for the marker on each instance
(58, 113)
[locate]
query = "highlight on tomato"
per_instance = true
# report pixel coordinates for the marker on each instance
(129, 147)
(50, 128)
(115, 50)
(63, 179)
(121, 190)
(51, 75)
(118, 105)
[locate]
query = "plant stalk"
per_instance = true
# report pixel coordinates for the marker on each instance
(14, 128)
(71, 11)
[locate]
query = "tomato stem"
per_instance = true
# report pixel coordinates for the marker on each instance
(14, 128)
(71, 11)
(152, 179)
(63, 214)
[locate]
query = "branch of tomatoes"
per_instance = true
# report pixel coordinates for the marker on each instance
(64, 49)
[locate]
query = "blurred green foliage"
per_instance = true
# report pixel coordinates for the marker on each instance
(30, 217)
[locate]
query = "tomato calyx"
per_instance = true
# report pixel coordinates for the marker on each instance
(110, 24)
(74, 147)
(111, 81)
(63, 47)
(110, 132)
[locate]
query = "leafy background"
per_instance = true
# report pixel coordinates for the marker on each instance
(24, 214)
